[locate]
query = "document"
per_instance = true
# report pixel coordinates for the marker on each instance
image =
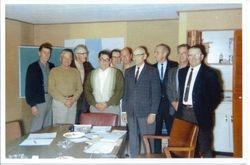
(100, 148)
(98, 129)
(113, 136)
(38, 139)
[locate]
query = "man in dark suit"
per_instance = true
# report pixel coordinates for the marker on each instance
(36, 89)
(140, 101)
(162, 52)
(84, 67)
(200, 94)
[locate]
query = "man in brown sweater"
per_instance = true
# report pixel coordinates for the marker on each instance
(65, 87)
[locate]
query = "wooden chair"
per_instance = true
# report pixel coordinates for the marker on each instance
(181, 142)
(14, 130)
(99, 119)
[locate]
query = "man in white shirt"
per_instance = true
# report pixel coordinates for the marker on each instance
(200, 94)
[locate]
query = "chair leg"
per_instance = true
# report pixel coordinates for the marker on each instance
(167, 153)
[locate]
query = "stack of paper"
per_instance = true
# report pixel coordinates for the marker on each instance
(101, 147)
(113, 136)
(38, 139)
(98, 129)
(82, 128)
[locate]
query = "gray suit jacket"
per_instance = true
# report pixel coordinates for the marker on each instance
(172, 92)
(143, 97)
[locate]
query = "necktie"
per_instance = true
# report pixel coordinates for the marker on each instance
(137, 74)
(188, 85)
(161, 71)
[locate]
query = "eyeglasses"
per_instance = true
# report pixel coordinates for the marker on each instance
(194, 55)
(83, 53)
(139, 54)
(105, 60)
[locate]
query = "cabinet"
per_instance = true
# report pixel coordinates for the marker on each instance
(223, 129)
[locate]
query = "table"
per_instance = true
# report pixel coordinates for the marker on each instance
(53, 150)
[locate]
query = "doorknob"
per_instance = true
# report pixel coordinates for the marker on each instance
(240, 97)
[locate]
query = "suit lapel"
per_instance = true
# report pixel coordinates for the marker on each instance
(198, 80)
(142, 73)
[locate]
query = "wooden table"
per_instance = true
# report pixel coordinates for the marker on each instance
(53, 150)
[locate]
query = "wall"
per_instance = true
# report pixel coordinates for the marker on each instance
(208, 20)
(17, 34)
(152, 33)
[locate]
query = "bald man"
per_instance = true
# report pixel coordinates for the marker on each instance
(141, 100)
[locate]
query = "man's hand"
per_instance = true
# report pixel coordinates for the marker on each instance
(34, 110)
(175, 104)
(124, 117)
(101, 106)
(151, 118)
(69, 102)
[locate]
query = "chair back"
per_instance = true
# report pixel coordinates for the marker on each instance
(14, 130)
(99, 119)
(183, 134)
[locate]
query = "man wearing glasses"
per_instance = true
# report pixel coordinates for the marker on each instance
(200, 94)
(84, 67)
(104, 86)
(141, 100)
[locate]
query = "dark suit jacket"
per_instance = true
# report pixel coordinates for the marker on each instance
(87, 68)
(82, 105)
(172, 93)
(206, 95)
(34, 91)
(143, 97)
(170, 64)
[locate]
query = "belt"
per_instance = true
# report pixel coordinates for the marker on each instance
(188, 107)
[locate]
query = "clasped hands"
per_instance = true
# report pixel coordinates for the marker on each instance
(101, 106)
(68, 102)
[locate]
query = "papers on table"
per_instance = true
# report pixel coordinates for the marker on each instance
(98, 129)
(38, 139)
(101, 147)
(82, 128)
(113, 136)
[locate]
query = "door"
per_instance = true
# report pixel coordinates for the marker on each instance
(237, 94)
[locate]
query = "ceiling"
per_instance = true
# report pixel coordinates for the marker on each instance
(79, 13)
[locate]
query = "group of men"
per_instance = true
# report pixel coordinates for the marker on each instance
(149, 95)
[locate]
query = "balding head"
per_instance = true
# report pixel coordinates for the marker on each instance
(140, 55)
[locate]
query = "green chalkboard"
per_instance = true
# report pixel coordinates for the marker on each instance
(28, 55)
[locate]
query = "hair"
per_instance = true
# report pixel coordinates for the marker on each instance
(106, 52)
(201, 47)
(166, 48)
(46, 45)
(115, 50)
(128, 49)
(183, 46)
(145, 49)
(81, 46)
(67, 50)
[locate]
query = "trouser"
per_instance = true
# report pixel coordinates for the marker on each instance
(137, 127)
(162, 116)
(81, 107)
(205, 137)
(63, 114)
(44, 117)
